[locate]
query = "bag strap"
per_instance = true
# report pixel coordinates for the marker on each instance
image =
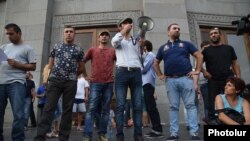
(220, 110)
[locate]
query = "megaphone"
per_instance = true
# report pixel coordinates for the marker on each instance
(145, 24)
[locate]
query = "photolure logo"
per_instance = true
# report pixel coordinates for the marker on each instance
(226, 132)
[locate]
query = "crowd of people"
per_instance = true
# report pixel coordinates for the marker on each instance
(122, 75)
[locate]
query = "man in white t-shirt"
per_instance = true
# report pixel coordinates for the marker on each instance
(79, 103)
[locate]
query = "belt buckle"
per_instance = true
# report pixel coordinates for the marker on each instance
(176, 76)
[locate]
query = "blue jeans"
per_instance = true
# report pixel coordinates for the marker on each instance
(182, 87)
(16, 93)
(99, 92)
(28, 102)
(197, 106)
(123, 80)
(97, 115)
(127, 113)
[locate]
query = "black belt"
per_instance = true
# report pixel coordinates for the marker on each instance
(128, 68)
(176, 76)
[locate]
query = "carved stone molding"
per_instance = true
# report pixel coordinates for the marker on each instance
(90, 19)
(195, 20)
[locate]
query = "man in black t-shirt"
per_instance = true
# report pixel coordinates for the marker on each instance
(29, 98)
(220, 61)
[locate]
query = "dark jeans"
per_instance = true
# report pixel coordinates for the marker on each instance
(16, 93)
(124, 79)
(32, 115)
(99, 93)
(28, 102)
(204, 93)
(152, 110)
(214, 88)
(127, 113)
(97, 115)
(55, 89)
(39, 114)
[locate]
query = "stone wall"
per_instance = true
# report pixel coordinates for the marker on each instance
(32, 17)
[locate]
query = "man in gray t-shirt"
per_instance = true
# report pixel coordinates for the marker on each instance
(20, 58)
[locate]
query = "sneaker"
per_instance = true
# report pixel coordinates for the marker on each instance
(195, 138)
(52, 135)
(154, 136)
(86, 139)
(103, 138)
(148, 134)
(49, 135)
(79, 129)
(172, 138)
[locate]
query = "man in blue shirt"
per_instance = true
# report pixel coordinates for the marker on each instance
(148, 83)
(178, 76)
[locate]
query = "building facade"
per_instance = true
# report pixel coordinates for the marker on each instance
(42, 23)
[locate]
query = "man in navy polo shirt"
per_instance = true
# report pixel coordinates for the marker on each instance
(178, 76)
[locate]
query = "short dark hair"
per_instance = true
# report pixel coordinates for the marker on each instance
(204, 43)
(216, 28)
(238, 83)
(169, 27)
(16, 28)
(148, 45)
(69, 26)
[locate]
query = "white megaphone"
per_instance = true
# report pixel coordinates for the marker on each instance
(145, 24)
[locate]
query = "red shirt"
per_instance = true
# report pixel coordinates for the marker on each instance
(102, 64)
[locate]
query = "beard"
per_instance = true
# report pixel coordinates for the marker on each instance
(176, 35)
(215, 40)
(105, 42)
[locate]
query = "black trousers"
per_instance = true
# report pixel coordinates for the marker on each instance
(152, 110)
(32, 115)
(56, 89)
(214, 88)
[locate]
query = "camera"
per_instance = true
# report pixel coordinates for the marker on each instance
(243, 25)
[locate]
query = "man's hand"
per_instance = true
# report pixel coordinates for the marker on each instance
(162, 77)
(155, 96)
(190, 74)
(207, 75)
(126, 28)
(198, 92)
(12, 62)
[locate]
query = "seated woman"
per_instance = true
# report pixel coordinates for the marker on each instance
(232, 99)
